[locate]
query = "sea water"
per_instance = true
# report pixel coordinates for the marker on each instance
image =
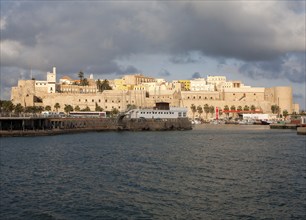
(210, 172)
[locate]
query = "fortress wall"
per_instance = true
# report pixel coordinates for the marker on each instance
(244, 96)
(261, 98)
(269, 95)
(283, 98)
(24, 93)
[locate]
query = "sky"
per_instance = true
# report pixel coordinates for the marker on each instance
(261, 43)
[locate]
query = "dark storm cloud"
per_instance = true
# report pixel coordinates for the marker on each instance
(196, 75)
(95, 35)
(164, 73)
(289, 66)
(187, 58)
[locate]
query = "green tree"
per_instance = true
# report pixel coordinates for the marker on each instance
(33, 109)
(200, 110)
(48, 108)
(114, 112)
(253, 108)
(105, 85)
(99, 85)
(39, 109)
(98, 108)
(233, 108)
(206, 109)
(18, 108)
(77, 108)
(68, 109)
(84, 82)
(226, 108)
(285, 113)
(193, 110)
(7, 106)
(129, 106)
(57, 106)
(275, 109)
(81, 76)
(87, 109)
(239, 108)
(246, 108)
(212, 110)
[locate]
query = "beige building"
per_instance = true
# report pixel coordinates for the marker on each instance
(144, 92)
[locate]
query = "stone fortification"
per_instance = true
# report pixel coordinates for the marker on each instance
(234, 93)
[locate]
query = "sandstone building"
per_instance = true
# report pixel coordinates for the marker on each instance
(144, 92)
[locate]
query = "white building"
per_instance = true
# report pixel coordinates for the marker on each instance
(200, 84)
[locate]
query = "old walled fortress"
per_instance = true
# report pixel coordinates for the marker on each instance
(143, 92)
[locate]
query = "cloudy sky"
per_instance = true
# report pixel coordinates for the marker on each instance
(261, 42)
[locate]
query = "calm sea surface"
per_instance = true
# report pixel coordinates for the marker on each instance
(214, 172)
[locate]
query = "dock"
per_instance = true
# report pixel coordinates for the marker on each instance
(301, 130)
(41, 126)
(283, 126)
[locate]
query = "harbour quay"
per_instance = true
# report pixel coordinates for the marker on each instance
(39, 126)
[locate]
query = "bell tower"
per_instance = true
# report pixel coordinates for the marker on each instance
(51, 80)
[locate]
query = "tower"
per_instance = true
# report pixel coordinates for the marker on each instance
(51, 80)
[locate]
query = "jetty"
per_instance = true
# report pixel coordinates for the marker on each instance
(283, 126)
(40, 126)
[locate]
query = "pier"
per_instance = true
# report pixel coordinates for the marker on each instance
(39, 126)
(283, 126)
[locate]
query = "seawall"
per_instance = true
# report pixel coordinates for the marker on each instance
(13, 127)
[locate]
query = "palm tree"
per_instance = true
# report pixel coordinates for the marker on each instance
(246, 108)
(18, 108)
(48, 108)
(212, 110)
(98, 108)
(105, 85)
(233, 108)
(84, 82)
(206, 109)
(81, 76)
(226, 108)
(285, 113)
(87, 109)
(57, 106)
(99, 85)
(275, 109)
(7, 106)
(68, 108)
(193, 110)
(77, 108)
(200, 110)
